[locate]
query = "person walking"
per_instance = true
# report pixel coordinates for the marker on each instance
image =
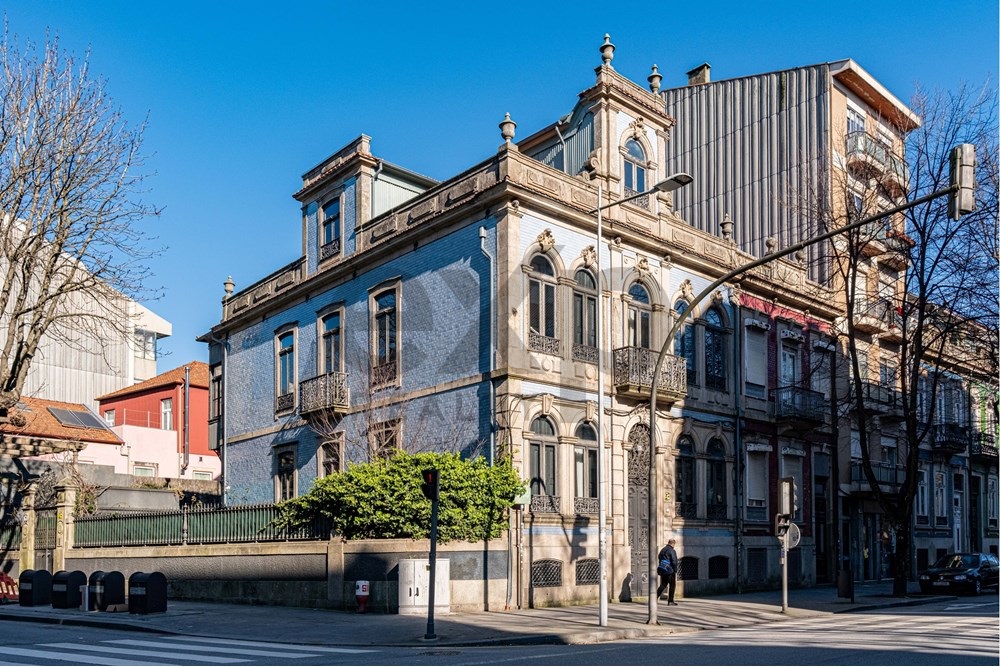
(667, 569)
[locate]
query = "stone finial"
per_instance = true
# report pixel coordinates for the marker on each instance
(229, 286)
(771, 244)
(607, 50)
(727, 227)
(507, 128)
(654, 80)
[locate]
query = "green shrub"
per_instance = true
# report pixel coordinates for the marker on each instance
(383, 499)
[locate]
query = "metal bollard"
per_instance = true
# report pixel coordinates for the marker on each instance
(84, 597)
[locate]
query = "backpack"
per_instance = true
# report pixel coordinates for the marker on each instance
(665, 568)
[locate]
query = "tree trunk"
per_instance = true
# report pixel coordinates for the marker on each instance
(901, 561)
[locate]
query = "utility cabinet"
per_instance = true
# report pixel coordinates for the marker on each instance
(414, 586)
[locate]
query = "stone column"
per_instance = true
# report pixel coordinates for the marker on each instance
(65, 509)
(27, 554)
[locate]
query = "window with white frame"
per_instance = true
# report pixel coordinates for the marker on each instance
(144, 469)
(855, 120)
(145, 344)
(330, 455)
(285, 474)
(330, 232)
(920, 508)
(640, 315)
(716, 345)
(202, 474)
(542, 457)
(585, 316)
(585, 462)
(385, 343)
(215, 392)
(819, 379)
(991, 502)
(331, 343)
(791, 366)
(285, 371)
(940, 503)
(756, 486)
(684, 343)
(109, 417)
(541, 300)
(755, 382)
(890, 450)
(167, 414)
(634, 168)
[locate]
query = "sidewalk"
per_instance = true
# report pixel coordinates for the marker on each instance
(556, 625)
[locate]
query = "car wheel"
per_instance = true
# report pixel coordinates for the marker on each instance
(977, 587)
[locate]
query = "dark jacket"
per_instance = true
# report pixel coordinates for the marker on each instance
(668, 553)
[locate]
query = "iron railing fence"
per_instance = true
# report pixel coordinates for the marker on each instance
(235, 524)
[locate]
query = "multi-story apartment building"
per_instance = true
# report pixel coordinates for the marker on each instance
(163, 424)
(461, 315)
(779, 158)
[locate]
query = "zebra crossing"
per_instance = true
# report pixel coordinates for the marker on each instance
(166, 650)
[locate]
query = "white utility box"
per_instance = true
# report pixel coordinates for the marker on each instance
(415, 585)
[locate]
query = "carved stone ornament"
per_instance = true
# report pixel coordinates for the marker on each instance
(638, 127)
(592, 411)
(717, 297)
(546, 404)
(589, 256)
(735, 295)
(687, 290)
(642, 266)
(546, 241)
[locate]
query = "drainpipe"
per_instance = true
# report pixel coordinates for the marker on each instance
(223, 445)
(187, 419)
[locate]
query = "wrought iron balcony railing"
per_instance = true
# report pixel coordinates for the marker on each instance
(886, 474)
(984, 446)
(798, 404)
(324, 392)
(951, 437)
(633, 372)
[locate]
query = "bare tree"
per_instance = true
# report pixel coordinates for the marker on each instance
(933, 290)
(71, 186)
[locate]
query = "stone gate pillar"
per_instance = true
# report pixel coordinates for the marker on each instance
(65, 509)
(26, 557)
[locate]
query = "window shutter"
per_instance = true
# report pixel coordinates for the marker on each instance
(756, 357)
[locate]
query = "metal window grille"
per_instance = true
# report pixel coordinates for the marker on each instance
(546, 573)
(587, 571)
(688, 568)
(718, 567)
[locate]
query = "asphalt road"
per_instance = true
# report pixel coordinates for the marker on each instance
(958, 632)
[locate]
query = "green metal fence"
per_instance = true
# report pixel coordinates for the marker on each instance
(10, 536)
(241, 523)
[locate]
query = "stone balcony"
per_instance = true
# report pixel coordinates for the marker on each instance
(324, 392)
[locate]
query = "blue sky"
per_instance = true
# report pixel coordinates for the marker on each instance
(243, 98)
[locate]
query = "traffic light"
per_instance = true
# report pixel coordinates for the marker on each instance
(431, 484)
(781, 523)
(795, 497)
(963, 176)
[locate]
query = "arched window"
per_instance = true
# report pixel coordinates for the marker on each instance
(684, 343)
(684, 483)
(639, 314)
(585, 469)
(542, 464)
(716, 489)
(541, 304)
(585, 317)
(634, 169)
(715, 351)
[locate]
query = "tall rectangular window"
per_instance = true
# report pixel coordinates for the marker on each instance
(756, 362)
(330, 455)
(921, 498)
(285, 371)
(330, 239)
(855, 120)
(790, 367)
(543, 469)
(819, 380)
(756, 485)
(991, 502)
(940, 504)
(109, 417)
(585, 472)
(385, 327)
(384, 438)
(285, 474)
(215, 392)
(167, 414)
(332, 344)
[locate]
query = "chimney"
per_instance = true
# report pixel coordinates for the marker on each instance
(700, 74)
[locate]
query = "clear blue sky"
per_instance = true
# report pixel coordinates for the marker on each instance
(243, 98)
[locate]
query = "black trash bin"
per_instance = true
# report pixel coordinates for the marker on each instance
(845, 584)
(66, 589)
(34, 588)
(147, 593)
(106, 588)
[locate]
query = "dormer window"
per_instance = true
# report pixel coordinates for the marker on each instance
(330, 229)
(635, 168)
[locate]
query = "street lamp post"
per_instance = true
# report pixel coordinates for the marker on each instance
(668, 185)
(955, 187)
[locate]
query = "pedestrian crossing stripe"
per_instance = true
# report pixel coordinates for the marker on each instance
(277, 645)
(229, 650)
(76, 659)
(172, 655)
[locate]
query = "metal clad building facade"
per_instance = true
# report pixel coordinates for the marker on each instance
(755, 146)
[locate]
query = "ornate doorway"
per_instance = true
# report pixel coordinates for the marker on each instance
(638, 509)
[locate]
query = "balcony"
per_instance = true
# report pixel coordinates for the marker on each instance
(798, 406)
(633, 373)
(951, 438)
(867, 157)
(879, 399)
(539, 343)
(889, 476)
(984, 448)
(875, 315)
(324, 392)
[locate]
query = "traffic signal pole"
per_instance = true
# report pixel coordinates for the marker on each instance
(431, 489)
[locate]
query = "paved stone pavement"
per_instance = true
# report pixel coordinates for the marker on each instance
(554, 625)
